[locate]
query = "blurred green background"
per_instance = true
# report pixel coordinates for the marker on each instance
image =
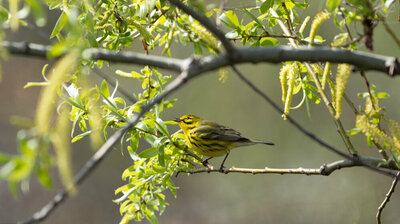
(346, 196)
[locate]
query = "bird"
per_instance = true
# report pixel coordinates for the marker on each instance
(211, 139)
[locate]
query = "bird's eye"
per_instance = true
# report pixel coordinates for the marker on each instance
(187, 121)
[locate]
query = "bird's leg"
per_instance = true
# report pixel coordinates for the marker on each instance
(206, 164)
(221, 168)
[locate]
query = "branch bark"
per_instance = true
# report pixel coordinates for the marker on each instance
(324, 170)
(362, 60)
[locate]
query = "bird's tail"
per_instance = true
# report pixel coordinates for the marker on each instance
(247, 142)
(262, 142)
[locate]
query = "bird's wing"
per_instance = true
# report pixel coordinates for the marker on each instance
(212, 131)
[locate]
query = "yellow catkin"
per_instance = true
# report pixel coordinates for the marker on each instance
(342, 76)
(142, 30)
(294, 70)
(371, 109)
(96, 125)
(14, 14)
(103, 20)
(340, 40)
(206, 37)
(283, 78)
(304, 24)
(377, 135)
(170, 37)
(318, 19)
(327, 71)
(62, 145)
(48, 94)
(94, 116)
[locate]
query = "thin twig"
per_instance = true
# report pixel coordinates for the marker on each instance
(387, 199)
(324, 170)
(288, 18)
(345, 24)
(353, 157)
(207, 23)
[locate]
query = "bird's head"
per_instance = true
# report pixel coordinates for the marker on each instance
(188, 122)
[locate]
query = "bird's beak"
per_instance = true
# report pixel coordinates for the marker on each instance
(177, 120)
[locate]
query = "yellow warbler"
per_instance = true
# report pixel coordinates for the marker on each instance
(211, 139)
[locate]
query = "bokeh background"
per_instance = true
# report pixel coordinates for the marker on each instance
(346, 196)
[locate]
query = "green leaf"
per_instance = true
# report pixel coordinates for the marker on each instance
(197, 48)
(369, 141)
(363, 95)
(44, 177)
(266, 5)
(4, 158)
(62, 20)
(3, 14)
(255, 19)
(30, 84)
(353, 131)
(148, 153)
(268, 41)
(382, 95)
(80, 136)
(231, 35)
(161, 156)
(332, 4)
(104, 89)
(161, 126)
(229, 19)
(312, 96)
(132, 74)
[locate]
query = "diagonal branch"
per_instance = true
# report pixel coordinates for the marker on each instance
(207, 23)
(324, 170)
(353, 157)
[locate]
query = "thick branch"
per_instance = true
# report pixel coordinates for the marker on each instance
(324, 170)
(362, 60)
(134, 58)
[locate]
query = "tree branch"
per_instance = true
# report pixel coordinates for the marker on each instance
(324, 170)
(387, 199)
(207, 23)
(362, 60)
